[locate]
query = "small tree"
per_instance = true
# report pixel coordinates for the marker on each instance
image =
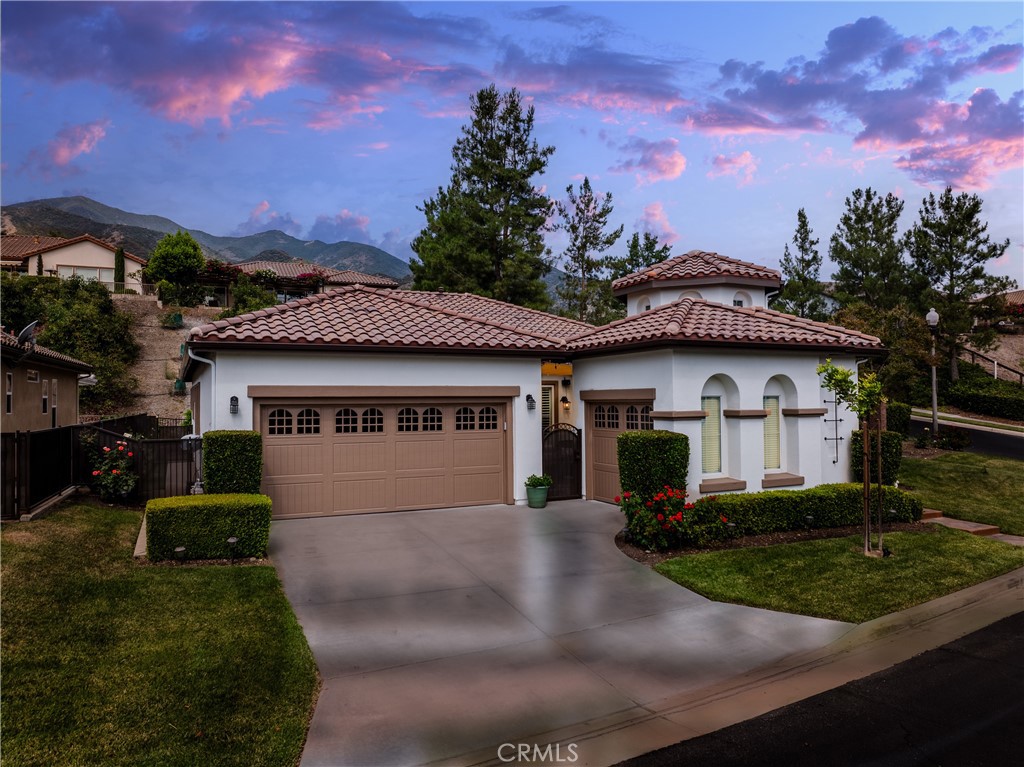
(863, 397)
(801, 290)
(179, 260)
(639, 255)
(119, 270)
(585, 292)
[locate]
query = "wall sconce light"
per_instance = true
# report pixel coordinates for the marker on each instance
(234, 406)
(565, 402)
(566, 383)
(531, 403)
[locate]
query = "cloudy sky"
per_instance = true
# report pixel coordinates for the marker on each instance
(710, 123)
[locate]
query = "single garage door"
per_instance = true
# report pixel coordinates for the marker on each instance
(607, 420)
(356, 457)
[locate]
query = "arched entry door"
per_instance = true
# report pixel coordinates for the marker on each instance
(562, 456)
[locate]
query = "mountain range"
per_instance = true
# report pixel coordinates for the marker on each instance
(139, 233)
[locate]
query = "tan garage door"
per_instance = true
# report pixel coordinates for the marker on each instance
(356, 457)
(606, 421)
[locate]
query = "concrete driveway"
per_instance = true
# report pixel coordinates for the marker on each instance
(441, 635)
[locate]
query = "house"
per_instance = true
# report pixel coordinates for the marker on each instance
(14, 248)
(40, 386)
(375, 400)
(294, 279)
(84, 256)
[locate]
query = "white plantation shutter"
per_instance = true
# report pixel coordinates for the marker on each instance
(772, 439)
(547, 406)
(711, 435)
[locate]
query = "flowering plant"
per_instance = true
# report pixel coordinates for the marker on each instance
(112, 475)
(667, 520)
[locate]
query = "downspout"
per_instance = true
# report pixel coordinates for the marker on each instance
(213, 384)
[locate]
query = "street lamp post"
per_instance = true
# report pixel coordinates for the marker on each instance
(932, 318)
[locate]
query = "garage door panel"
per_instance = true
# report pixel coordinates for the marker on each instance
(483, 452)
(294, 459)
(295, 497)
(606, 421)
(606, 449)
(477, 488)
(420, 454)
(360, 495)
(421, 492)
(360, 456)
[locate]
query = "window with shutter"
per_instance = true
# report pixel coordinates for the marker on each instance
(772, 437)
(547, 406)
(711, 435)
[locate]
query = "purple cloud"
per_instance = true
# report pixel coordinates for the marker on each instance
(263, 219)
(71, 142)
(653, 160)
(344, 225)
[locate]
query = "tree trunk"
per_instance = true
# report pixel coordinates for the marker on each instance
(866, 473)
(881, 494)
(954, 366)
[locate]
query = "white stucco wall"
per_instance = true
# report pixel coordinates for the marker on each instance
(720, 294)
(86, 254)
(236, 371)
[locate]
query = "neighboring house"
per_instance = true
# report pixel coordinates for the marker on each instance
(86, 257)
(40, 386)
(291, 277)
(14, 248)
(375, 400)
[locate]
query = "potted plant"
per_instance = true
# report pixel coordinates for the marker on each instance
(537, 490)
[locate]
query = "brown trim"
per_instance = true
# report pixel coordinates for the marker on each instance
(679, 415)
(722, 485)
(745, 413)
(380, 392)
(781, 480)
(804, 412)
(618, 395)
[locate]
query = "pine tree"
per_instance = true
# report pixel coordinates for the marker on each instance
(639, 255)
(484, 232)
(119, 270)
(869, 252)
(801, 291)
(585, 291)
(950, 249)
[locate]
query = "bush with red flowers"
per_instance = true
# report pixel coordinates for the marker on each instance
(112, 476)
(667, 520)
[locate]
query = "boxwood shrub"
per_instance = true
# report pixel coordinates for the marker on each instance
(898, 414)
(650, 460)
(203, 524)
(232, 461)
(839, 505)
(996, 401)
(892, 456)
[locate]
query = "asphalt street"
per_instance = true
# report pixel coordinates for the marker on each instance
(1005, 444)
(960, 705)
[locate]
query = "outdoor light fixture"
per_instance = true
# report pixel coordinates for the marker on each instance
(179, 553)
(531, 403)
(565, 402)
(566, 382)
(231, 543)
(932, 318)
(234, 406)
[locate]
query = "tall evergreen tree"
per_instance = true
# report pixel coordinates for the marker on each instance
(950, 248)
(585, 291)
(869, 252)
(801, 291)
(639, 255)
(119, 270)
(485, 231)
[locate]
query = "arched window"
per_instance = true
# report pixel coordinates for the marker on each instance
(742, 299)
(632, 418)
(600, 417)
(346, 421)
(279, 422)
(433, 419)
(408, 419)
(465, 419)
(307, 421)
(711, 435)
(646, 422)
(488, 419)
(613, 417)
(372, 421)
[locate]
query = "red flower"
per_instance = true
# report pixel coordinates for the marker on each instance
(649, 504)
(96, 473)
(114, 471)
(617, 499)
(626, 494)
(724, 520)
(661, 518)
(106, 449)
(130, 453)
(121, 447)
(687, 505)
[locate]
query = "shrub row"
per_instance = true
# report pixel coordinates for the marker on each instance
(892, 456)
(898, 414)
(987, 401)
(671, 522)
(651, 460)
(232, 461)
(203, 524)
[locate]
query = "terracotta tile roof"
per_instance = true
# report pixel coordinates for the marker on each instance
(1014, 297)
(360, 316)
(698, 265)
(289, 270)
(529, 320)
(14, 247)
(58, 242)
(690, 321)
(27, 353)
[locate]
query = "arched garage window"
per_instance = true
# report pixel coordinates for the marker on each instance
(307, 421)
(279, 422)
(488, 419)
(346, 421)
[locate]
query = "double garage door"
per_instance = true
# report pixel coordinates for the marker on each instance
(353, 457)
(606, 421)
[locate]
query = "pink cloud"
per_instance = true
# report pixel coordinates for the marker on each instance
(263, 219)
(654, 161)
(71, 142)
(742, 166)
(344, 225)
(655, 220)
(342, 111)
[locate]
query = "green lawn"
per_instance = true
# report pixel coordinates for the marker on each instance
(109, 662)
(832, 578)
(977, 488)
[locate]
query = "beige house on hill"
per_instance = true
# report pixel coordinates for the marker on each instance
(85, 257)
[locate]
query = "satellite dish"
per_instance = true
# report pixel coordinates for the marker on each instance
(26, 334)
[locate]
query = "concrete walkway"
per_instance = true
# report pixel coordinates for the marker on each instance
(442, 635)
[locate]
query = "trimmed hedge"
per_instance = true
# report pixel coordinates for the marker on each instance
(898, 415)
(973, 399)
(203, 524)
(651, 460)
(775, 511)
(232, 461)
(892, 456)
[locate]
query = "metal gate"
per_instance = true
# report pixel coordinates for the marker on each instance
(562, 456)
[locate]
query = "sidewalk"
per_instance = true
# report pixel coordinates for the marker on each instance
(864, 650)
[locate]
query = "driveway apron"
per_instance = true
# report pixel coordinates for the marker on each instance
(447, 632)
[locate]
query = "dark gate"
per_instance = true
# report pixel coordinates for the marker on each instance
(562, 457)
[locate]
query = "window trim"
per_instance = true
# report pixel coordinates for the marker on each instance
(46, 395)
(9, 394)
